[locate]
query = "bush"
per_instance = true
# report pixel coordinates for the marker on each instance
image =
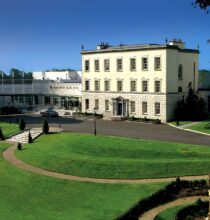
(22, 124)
(30, 140)
(1, 135)
(19, 146)
(45, 127)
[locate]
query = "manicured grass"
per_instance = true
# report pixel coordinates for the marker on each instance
(115, 157)
(180, 123)
(202, 127)
(9, 129)
(28, 196)
(170, 214)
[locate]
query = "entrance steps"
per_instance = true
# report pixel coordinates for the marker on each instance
(23, 136)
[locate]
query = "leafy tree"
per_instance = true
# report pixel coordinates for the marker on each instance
(22, 124)
(1, 135)
(45, 127)
(203, 4)
(30, 140)
(191, 108)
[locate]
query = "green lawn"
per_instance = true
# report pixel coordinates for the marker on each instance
(180, 123)
(9, 129)
(115, 157)
(170, 214)
(28, 196)
(202, 127)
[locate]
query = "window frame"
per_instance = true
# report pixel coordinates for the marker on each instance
(95, 85)
(155, 62)
(157, 81)
(144, 106)
(108, 83)
(97, 65)
(87, 70)
(157, 104)
(106, 70)
(131, 86)
(87, 82)
(131, 63)
(132, 106)
(143, 64)
(119, 81)
(117, 62)
(107, 105)
(144, 81)
(96, 104)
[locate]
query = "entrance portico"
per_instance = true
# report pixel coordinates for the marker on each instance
(120, 106)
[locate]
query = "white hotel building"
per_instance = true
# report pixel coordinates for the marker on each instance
(138, 80)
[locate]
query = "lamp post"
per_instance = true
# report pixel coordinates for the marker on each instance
(94, 110)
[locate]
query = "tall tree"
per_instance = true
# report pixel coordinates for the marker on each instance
(203, 4)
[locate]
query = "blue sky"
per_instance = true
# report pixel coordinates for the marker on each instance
(42, 34)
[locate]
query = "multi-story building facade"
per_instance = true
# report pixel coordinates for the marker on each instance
(45, 89)
(138, 80)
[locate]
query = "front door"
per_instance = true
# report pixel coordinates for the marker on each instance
(119, 108)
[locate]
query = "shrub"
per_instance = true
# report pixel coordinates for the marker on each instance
(1, 135)
(19, 146)
(22, 124)
(30, 140)
(45, 127)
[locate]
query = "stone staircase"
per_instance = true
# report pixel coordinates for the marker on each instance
(23, 136)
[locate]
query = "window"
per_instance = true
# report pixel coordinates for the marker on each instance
(106, 105)
(180, 89)
(87, 85)
(133, 64)
(157, 108)
(144, 63)
(96, 103)
(106, 85)
(133, 106)
(106, 65)
(97, 85)
(87, 65)
(119, 65)
(133, 86)
(180, 72)
(119, 86)
(144, 86)
(96, 63)
(144, 108)
(157, 63)
(86, 103)
(157, 86)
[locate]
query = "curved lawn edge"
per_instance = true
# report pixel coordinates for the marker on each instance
(9, 156)
(151, 214)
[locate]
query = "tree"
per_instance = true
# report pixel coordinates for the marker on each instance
(203, 4)
(30, 140)
(45, 127)
(19, 146)
(1, 135)
(191, 108)
(22, 124)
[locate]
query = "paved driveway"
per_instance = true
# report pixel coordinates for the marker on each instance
(119, 128)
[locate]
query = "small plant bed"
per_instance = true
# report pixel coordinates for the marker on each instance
(146, 120)
(110, 157)
(9, 129)
(175, 190)
(88, 114)
(171, 213)
(197, 211)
